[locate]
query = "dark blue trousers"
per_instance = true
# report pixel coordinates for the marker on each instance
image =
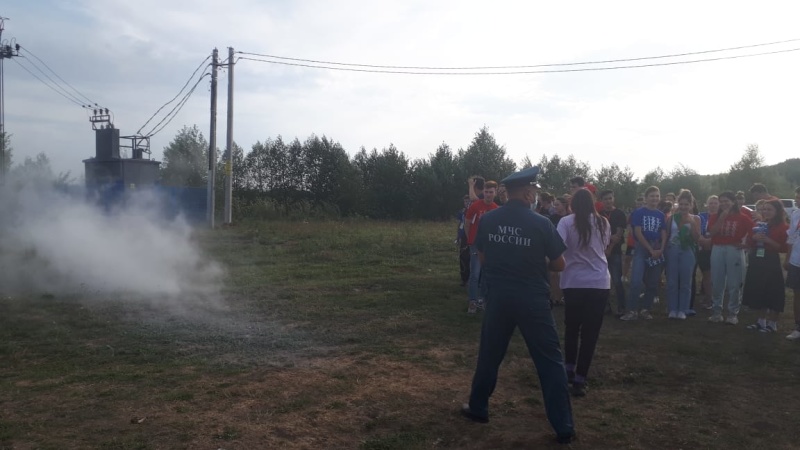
(507, 309)
(615, 269)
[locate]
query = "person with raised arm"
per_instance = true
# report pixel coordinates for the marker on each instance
(517, 247)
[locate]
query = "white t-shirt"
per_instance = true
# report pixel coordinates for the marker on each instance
(586, 267)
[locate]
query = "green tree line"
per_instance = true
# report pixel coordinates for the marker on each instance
(317, 177)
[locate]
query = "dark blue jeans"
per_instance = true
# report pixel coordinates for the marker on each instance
(615, 269)
(643, 277)
(507, 309)
(476, 288)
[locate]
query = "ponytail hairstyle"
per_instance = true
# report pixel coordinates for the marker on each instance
(584, 210)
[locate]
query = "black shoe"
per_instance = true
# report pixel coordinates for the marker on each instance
(570, 376)
(578, 389)
(565, 438)
(467, 412)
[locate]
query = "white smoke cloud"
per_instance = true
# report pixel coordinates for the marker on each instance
(58, 242)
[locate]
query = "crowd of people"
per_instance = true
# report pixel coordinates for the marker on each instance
(727, 244)
(542, 250)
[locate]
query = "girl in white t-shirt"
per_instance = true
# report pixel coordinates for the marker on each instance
(586, 283)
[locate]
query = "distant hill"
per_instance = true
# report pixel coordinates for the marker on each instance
(789, 170)
(781, 179)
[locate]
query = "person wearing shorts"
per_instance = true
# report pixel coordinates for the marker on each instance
(704, 249)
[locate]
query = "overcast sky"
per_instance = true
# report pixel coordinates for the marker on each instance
(134, 56)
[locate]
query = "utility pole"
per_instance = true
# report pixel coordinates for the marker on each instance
(7, 51)
(212, 144)
(228, 220)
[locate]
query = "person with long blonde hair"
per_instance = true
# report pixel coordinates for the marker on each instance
(683, 228)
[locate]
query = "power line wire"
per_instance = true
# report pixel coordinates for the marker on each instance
(16, 60)
(520, 66)
(176, 95)
(54, 82)
(176, 109)
(91, 102)
(588, 69)
(179, 106)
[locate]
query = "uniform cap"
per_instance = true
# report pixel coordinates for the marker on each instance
(523, 177)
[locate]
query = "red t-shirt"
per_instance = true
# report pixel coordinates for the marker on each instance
(473, 216)
(775, 232)
(735, 228)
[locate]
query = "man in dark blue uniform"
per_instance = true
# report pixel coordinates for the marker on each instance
(517, 248)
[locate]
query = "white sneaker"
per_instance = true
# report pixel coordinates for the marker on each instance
(673, 314)
(732, 320)
(681, 315)
(794, 335)
(716, 318)
(630, 315)
(645, 314)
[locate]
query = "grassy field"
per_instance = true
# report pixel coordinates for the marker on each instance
(354, 335)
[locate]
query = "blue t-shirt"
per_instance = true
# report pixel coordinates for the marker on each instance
(460, 216)
(703, 222)
(515, 242)
(652, 222)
